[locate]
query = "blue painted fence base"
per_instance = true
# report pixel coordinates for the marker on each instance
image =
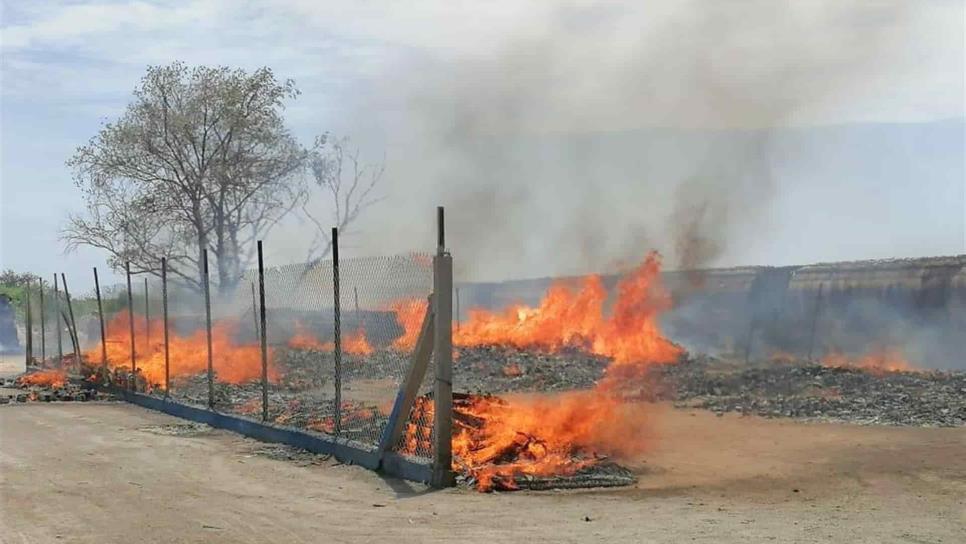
(344, 450)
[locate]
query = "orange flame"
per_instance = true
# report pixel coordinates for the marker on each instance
(45, 378)
(355, 343)
(497, 441)
(409, 316)
(565, 318)
(304, 339)
(779, 356)
(877, 361)
(232, 362)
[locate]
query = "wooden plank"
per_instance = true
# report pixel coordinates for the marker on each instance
(406, 396)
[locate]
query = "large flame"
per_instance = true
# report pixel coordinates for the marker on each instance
(232, 361)
(568, 318)
(498, 440)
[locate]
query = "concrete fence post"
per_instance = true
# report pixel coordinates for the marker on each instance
(443, 358)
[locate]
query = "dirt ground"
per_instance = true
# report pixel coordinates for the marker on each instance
(96, 473)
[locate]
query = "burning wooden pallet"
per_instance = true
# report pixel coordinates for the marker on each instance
(490, 453)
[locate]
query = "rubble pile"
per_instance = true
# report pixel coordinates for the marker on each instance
(789, 388)
(24, 389)
(805, 390)
(505, 369)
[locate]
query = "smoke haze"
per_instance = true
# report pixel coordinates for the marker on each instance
(587, 134)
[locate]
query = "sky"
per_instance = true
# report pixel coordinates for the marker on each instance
(563, 137)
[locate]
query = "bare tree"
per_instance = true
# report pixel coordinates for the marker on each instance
(200, 159)
(339, 174)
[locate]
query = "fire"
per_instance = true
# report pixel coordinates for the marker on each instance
(512, 370)
(409, 316)
(497, 441)
(877, 361)
(779, 356)
(232, 361)
(569, 318)
(303, 339)
(354, 343)
(45, 378)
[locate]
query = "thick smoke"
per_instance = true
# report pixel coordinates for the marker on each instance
(591, 133)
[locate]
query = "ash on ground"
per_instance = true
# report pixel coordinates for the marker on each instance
(303, 396)
(797, 389)
(808, 390)
(502, 369)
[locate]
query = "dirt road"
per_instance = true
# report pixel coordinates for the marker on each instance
(97, 473)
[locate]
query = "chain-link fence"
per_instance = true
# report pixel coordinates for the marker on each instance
(336, 368)
(330, 368)
(336, 349)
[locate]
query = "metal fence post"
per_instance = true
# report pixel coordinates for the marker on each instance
(262, 332)
(443, 354)
(72, 325)
(147, 319)
(29, 328)
(254, 309)
(355, 296)
(337, 326)
(43, 322)
(211, 369)
(164, 312)
(60, 342)
(130, 315)
(100, 317)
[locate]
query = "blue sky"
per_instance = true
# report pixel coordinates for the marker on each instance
(531, 120)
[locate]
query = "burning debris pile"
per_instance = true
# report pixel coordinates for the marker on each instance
(501, 444)
(589, 373)
(46, 386)
(567, 439)
(840, 389)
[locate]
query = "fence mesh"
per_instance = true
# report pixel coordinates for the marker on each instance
(379, 301)
(312, 386)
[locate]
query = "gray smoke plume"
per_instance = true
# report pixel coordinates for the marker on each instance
(595, 132)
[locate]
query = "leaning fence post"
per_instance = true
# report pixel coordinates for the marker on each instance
(337, 332)
(72, 325)
(164, 312)
(130, 315)
(211, 369)
(443, 354)
(43, 322)
(60, 343)
(264, 337)
(100, 318)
